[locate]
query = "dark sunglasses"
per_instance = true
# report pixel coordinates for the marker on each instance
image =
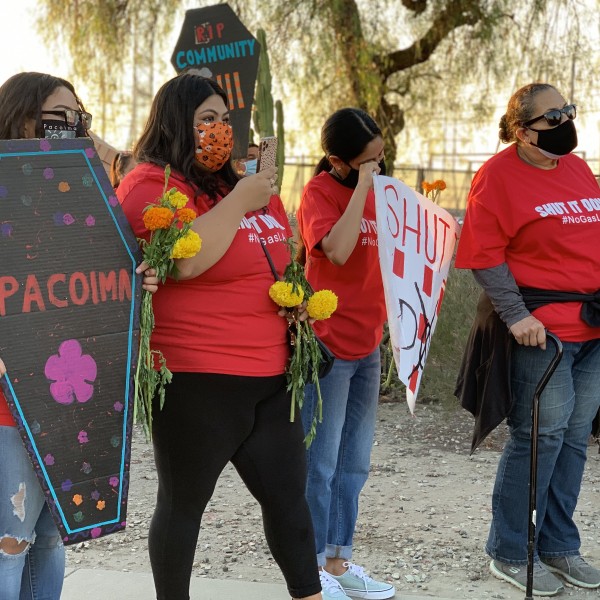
(72, 117)
(554, 117)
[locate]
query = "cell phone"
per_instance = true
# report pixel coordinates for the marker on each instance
(267, 153)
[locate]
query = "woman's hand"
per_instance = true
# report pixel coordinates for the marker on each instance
(150, 281)
(255, 190)
(2, 368)
(529, 332)
(366, 172)
(298, 312)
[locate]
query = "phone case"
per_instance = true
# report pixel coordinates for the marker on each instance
(267, 153)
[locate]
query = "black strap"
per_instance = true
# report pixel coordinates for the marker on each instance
(590, 309)
(268, 255)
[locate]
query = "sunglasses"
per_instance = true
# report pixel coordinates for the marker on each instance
(72, 117)
(554, 117)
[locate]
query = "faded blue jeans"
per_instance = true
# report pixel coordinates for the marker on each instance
(567, 408)
(37, 572)
(338, 459)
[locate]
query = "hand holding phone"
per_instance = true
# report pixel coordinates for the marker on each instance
(267, 156)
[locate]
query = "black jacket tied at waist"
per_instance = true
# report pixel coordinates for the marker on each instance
(590, 308)
(483, 383)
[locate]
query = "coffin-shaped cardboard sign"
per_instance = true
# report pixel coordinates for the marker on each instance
(69, 327)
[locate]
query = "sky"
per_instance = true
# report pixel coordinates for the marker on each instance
(24, 48)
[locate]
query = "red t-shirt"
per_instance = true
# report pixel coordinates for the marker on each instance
(356, 327)
(222, 321)
(5, 415)
(545, 224)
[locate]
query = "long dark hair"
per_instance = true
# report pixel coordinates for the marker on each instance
(168, 136)
(21, 99)
(346, 133)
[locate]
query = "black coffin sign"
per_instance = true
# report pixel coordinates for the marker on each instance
(69, 327)
(216, 43)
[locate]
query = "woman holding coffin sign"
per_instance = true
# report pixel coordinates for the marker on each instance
(336, 220)
(32, 558)
(532, 238)
(222, 338)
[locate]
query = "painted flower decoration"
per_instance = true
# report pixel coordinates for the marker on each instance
(72, 374)
(187, 246)
(282, 293)
(322, 304)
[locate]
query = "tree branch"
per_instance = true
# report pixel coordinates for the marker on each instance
(456, 14)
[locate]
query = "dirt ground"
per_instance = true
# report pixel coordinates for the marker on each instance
(424, 513)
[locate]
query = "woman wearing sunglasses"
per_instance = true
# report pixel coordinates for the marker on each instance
(532, 229)
(32, 557)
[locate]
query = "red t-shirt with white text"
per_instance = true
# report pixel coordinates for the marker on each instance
(545, 224)
(222, 321)
(356, 327)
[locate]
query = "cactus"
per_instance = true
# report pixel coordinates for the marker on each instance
(263, 101)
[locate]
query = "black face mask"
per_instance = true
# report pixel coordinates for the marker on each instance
(351, 180)
(58, 129)
(557, 142)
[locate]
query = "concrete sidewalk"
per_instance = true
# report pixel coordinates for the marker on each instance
(99, 584)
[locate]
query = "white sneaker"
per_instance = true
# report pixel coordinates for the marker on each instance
(331, 589)
(357, 584)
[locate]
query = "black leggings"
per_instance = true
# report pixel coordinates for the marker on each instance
(208, 420)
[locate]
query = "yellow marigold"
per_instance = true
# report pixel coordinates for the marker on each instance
(439, 184)
(157, 218)
(322, 304)
(187, 246)
(177, 199)
(281, 293)
(186, 215)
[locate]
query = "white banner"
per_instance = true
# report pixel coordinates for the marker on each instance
(416, 241)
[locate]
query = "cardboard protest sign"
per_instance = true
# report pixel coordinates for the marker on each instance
(215, 42)
(416, 241)
(69, 300)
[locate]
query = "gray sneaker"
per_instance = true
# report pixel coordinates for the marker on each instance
(544, 583)
(575, 570)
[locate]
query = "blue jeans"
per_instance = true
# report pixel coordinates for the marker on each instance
(37, 572)
(567, 408)
(338, 459)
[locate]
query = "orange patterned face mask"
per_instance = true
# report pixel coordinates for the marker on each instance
(216, 142)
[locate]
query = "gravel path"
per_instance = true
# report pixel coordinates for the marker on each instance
(425, 512)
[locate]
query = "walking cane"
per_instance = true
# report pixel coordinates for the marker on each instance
(535, 416)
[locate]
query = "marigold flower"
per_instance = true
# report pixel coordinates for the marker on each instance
(187, 245)
(322, 304)
(157, 217)
(439, 184)
(176, 199)
(281, 292)
(427, 187)
(186, 215)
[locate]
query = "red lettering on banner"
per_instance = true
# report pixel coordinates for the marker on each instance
(94, 287)
(427, 280)
(75, 278)
(398, 268)
(7, 292)
(52, 281)
(416, 230)
(412, 382)
(124, 285)
(32, 294)
(108, 285)
(422, 330)
(441, 298)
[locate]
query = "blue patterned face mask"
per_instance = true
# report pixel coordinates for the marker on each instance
(251, 166)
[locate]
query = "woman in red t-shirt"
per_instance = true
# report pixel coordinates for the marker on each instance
(223, 339)
(32, 557)
(337, 225)
(532, 232)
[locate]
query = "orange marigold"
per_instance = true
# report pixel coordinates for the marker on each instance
(157, 218)
(186, 215)
(439, 184)
(427, 187)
